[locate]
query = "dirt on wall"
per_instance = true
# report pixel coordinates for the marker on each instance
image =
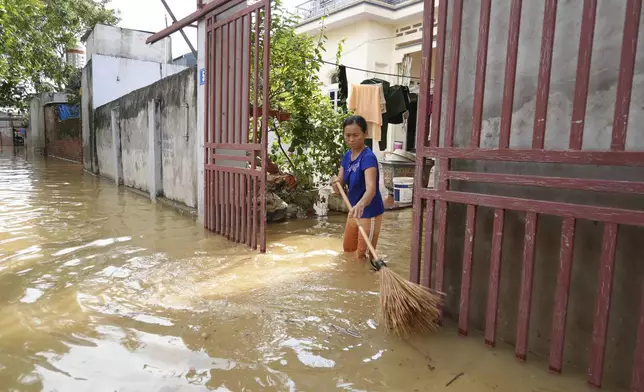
(63, 134)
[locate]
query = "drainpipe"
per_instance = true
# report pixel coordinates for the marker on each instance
(186, 109)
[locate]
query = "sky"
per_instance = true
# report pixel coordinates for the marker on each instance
(150, 15)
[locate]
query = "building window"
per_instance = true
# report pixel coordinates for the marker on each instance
(334, 96)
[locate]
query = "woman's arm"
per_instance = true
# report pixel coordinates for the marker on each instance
(338, 180)
(370, 176)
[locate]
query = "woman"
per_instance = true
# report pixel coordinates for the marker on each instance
(359, 171)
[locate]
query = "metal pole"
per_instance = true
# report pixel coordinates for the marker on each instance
(174, 20)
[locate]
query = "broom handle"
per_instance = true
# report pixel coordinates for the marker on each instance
(360, 228)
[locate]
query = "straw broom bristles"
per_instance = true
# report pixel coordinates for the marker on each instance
(407, 307)
(404, 306)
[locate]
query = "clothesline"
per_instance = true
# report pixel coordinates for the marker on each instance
(370, 71)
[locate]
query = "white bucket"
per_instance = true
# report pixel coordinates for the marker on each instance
(403, 189)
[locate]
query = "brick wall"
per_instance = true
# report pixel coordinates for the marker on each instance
(63, 138)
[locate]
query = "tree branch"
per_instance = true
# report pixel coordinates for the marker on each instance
(279, 141)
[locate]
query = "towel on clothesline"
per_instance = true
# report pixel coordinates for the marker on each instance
(366, 101)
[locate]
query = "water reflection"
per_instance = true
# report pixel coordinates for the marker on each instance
(101, 290)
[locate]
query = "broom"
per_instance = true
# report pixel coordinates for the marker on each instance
(404, 306)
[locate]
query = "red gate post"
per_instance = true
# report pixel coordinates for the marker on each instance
(602, 311)
(561, 297)
(466, 279)
(527, 277)
(424, 116)
(637, 385)
(583, 74)
(495, 277)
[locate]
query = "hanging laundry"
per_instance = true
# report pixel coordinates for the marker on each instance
(397, 103)
(343, 86)
(411, 122)
(365, 100)
(413, 119)
(385, 115)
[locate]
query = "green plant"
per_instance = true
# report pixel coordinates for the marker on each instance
(309, 144)
(34, 36)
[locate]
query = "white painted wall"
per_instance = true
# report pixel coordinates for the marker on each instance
(119, 42)
(114, 77)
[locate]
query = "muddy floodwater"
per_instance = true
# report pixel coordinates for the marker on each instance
(102, 290)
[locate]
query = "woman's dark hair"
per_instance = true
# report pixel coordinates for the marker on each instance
(357, 120)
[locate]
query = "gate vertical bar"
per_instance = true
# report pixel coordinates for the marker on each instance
(211, 70)
(429, 244)
(221, 76)
(438, 78)
(510, 74)
(561, 296)
(466, 278)
(256, 127)
(452, 86)
(247, 26)
(246, 34)
(206, 172)
(236, 207)
(545, 67)
(226, 190)
(256, 81)
(481, 66)
(422, 129)
(527, 277)
(443, 164)
(495, 277)
(602, 310)
(235, 112)
(626, 70)
(215, 120)
(225, 114)
(637, 384)
(440, 249)
(583, 74)
(265, 107)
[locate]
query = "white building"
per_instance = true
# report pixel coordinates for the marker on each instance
(118, 62)
(76, 56)
(377, 36)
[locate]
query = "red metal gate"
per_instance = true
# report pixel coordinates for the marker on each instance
(432, 202)
(237, 49)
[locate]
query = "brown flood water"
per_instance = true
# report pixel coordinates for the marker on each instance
(101, 290)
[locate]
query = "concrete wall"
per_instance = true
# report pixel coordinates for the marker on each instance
(63, 138)
(105, 154)
(118, 42)
(146, 139)
(6, 129)
(36, 139)
(87, 119)
(629, 270)
(116, 76)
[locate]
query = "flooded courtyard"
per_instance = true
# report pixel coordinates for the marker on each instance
(102, 290)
